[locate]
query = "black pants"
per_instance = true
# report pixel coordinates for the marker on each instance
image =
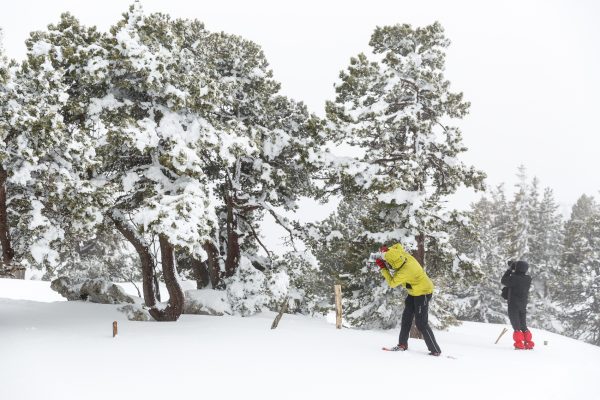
(418, 307)
(518, 317)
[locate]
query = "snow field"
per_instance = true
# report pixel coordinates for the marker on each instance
(65, 350)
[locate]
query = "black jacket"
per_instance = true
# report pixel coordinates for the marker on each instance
(518, 287)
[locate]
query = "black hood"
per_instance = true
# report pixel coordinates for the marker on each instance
(521, 267)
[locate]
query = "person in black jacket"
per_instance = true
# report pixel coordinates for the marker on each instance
(518, 284)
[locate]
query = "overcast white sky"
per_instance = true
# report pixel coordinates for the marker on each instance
(531, 69)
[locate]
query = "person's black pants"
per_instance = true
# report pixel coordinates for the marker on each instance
(518, 317)
(417, 307)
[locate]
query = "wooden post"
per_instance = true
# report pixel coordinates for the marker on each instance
(115, 329)
(282, 310)
(338, 306)
(504, 330)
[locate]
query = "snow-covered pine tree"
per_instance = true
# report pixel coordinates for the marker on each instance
(152, 138)
(394, 108)
(534, 235)
(578, 285)
(260, 162)
(341, 245)
(521, 213)
(175, 124)
(265, 163)
(297, 276)
(545, 256)
(48, 156)
(5, 234)
(481, 240)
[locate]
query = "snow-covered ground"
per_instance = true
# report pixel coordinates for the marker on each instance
(53, 349)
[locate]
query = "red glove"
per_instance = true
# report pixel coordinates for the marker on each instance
(380, 263)
(383, 248)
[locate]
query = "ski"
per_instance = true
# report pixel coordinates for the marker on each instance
(390, 349)
(395, 348)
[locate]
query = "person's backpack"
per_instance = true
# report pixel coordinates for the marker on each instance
(505, 293)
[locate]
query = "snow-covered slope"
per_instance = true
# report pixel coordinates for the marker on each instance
(65, 350)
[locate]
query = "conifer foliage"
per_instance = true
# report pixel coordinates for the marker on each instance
(394, 107)
(175, 136)
(527, 227)
(579, 283)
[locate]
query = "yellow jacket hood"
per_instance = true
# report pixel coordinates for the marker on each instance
(396, 256)
(407, 272)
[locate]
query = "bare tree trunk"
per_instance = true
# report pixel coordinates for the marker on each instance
(176, 299)
(200, 273)
(420, 257)
(233, 245)
(420, 254)
(147, 263)
(7, 250)
(212, 264)
(156, 284)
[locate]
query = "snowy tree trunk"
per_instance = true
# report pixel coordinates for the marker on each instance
(200, 273)
(7, 250)
(176, 299)
(156, 285)
(212, 264)
(420, 253)
(233, 244)
(147, 263)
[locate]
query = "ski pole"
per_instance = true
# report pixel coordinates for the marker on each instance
(504, 330)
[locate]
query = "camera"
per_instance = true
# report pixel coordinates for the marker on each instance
(373, 257)
(512, 264)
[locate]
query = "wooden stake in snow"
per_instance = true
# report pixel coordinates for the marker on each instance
(115, 329)
(338, 306)
(504, 330)
(282, 310)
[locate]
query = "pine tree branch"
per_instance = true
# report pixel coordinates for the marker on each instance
(281, 223)
(256, 236)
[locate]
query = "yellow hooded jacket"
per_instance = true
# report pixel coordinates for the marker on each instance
(407, 271)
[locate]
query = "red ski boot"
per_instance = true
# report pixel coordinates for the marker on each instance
(527, 337)
(518, 338)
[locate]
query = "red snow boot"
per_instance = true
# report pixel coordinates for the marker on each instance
(527, 337)
(518, 338)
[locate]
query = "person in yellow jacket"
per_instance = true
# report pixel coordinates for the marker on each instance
(408, 273)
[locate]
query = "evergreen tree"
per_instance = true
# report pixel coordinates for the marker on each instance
(342, 247)
(394, 107)
(5, 234)
(482, 241)
(500, 228)
(265, 162)
(152, 136)
(46, 155)
(545, 255)
(197, 145)
(579, 286)
(521, 212)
